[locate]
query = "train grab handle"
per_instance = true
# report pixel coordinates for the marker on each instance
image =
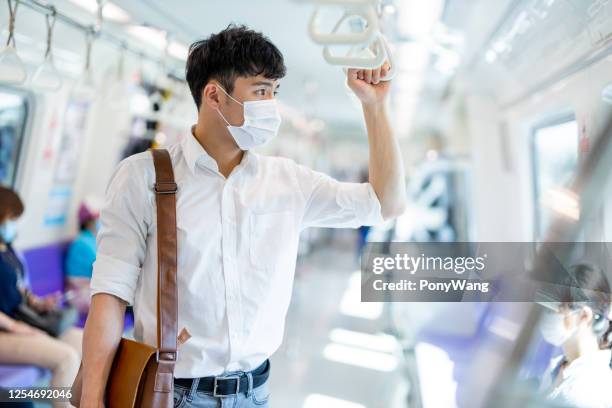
(366, 58)
(354, 8)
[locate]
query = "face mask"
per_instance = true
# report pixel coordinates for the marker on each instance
(8, 230)
(261, 123)
(553, 328)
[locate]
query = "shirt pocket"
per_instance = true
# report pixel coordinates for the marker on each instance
(271, 234)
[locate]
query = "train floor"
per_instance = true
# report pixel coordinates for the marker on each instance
(335, 353)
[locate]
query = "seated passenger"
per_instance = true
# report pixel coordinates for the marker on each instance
(21, 343)
(80, 258)
(582, 376)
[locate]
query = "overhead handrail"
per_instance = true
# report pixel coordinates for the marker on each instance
(46, 77)
(12, 68)
(366, 9)
(100, 33)
(368, 48)
(370, 57)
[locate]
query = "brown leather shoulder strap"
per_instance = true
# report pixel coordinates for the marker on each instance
(165, 198)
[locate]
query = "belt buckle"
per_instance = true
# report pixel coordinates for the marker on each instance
(229, 377)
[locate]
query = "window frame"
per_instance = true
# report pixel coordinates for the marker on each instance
(24, 136)
(554, 120)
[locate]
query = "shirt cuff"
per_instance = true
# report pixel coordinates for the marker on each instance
(114, 277)
(362, 200)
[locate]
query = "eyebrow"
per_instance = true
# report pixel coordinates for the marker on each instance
(266, 83)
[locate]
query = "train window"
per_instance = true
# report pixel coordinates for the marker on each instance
(555, 160)
(13, 116)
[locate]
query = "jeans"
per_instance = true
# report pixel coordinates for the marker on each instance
(192, 398)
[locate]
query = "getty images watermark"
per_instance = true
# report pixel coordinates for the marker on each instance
(426, 265)
(471, 272)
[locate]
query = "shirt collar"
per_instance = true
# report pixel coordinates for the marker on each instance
(195, 155)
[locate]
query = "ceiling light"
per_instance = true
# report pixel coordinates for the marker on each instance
(178, 50)
(150, 35)
(110, 11)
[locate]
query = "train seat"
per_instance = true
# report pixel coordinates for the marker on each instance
(21, 375)
(46, 268)
(45, 275)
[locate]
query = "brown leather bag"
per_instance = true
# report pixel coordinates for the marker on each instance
(142, 375)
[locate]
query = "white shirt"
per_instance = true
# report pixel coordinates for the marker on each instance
(585, 383)
(237, 248)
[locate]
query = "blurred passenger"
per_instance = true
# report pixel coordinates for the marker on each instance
(582, 376)
(21, 343)
(80, 258)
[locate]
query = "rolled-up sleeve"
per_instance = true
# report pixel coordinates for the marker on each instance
(331, 203)
(121, 240)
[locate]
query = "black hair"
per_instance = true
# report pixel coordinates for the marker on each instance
(236, 51)
(586, 284)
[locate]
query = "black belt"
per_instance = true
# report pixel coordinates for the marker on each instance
(229, 384)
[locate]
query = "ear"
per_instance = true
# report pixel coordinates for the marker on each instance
(210, 96)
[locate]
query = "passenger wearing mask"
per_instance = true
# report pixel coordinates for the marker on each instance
(582, 376)
(80, 258)
(21, 343)
(239, 215)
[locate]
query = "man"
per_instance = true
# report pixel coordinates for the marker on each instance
(239, 216)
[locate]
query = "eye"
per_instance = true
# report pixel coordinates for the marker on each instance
(260, 92)
(275, 93)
